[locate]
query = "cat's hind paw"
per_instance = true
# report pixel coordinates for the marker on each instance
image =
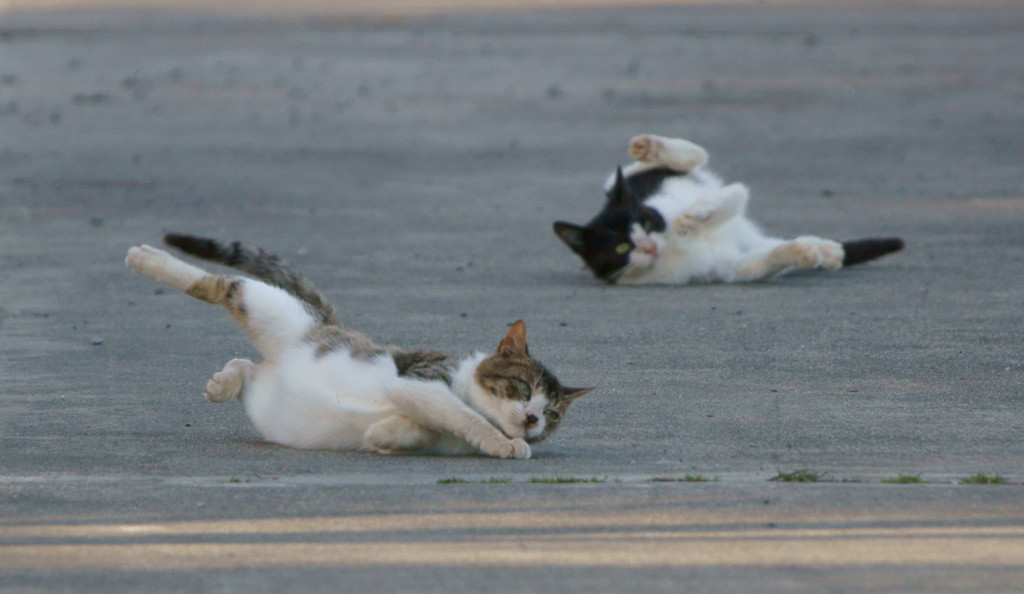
(162, 267)
(146, 259)
(398, 434)
(817, 252)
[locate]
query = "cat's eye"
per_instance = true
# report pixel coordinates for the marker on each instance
(551, 415)
(648, 226)
(525, 390)
(623, 248)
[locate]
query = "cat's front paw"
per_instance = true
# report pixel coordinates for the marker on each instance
(515, 449)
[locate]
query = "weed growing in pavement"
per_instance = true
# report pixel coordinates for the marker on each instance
(798, 476)
(906, 479)
(984, 478)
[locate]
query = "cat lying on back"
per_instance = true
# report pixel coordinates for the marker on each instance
(670, 220)
(323, 386)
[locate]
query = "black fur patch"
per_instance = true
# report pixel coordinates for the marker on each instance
(329, 339)
(646, 183)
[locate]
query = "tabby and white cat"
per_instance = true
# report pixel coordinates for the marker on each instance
(669, 220)
(323, 386)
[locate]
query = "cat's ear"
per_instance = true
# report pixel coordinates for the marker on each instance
(571, 235)
(514, 343)
(571, 394)
(620, 196)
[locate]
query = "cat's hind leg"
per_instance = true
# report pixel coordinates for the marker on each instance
(808, 252)
(674, 153)
(229, 382)
(398, 434)
(270, 315)
(163, 267)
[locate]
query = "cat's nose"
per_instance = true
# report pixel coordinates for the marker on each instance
(531, 420)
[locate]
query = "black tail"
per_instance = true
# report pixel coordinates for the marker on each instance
(862, 250)
(259, 263)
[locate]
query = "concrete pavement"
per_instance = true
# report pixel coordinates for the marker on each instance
(412, 168)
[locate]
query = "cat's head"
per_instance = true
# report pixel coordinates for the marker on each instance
(625, 235)
(519, 394)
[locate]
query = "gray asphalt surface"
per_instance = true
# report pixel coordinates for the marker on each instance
(412, 167)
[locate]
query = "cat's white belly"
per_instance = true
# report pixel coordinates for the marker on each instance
(320, 403)
(710, 257)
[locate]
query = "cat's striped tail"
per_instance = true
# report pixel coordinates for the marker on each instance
(862, 250)
(263, 265)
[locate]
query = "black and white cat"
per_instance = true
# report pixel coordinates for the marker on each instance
(669, 220)
(321, 385)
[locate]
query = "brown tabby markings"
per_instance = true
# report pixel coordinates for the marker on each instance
(220, 290)
(329, 339)
(501, 374)
(425, 365)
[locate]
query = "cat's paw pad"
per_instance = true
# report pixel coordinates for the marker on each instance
(644, 147)
(515, 449)
(223, 386)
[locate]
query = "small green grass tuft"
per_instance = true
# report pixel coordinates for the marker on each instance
(699, 478)
(798, 476)
(562, 480)
(906, 479)
(452, 481)
(984, 478)
(498, 481)
(689, 478)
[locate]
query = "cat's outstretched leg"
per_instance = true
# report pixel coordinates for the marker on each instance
(719, 206)
(163, 267)
(270, 315)
(674, 153)
(433, 406)
(229, 382)
(803, 252)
